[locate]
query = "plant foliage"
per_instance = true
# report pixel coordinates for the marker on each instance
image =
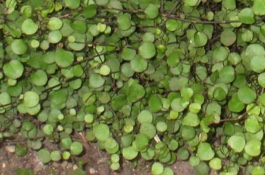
(157, 80)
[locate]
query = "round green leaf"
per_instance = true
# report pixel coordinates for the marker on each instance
(147, 50)
(148, 129)
(90, 11)
(253, 147)
(141, 141)
(54, 23)
(136, 92)
(205, 151)
(252, 125)
(151, 11)
(145, 116)
(101, 132)
(66, 143)
(172, 24)
(237, 143)
(191, 119)
(157, 168)
(219, 93)
(258, 170)
(216, 163)
(235, 105)
(76, 148)
(55, 36)
(246, 16)
(124, 22)
(129, 153)
(104, 70)
(44, 156)
(200, 39)
(259, 7)
(55, 155)
(226, 74)
(72, 4)
(39, 78)
(161, 126)
(31, 99)
(29, 27)
(64, 58)
(246, 95)
(261, 79)
(187, 132)
(48, 129)
(256, 63)
(228, 37)
(192, 2)
(96, 81)
(154, 103)
(139, 64)
(173, 59)
(102, 2)
(128, 54)
(13, 69)
(18, 46)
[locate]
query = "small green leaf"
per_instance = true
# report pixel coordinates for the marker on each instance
(253, 147)
(90, 11)
(228, 37)
(145, 116)
(172, 25)
(48, 129)
(56, 155)
(256, 63)
(128, 54)
(55, 36)
(101, 132)
(13, 69)
(64, 58)
(246, 16)
(96, 81)
(216, 163)
(235, 105)
(259, 7)
(147, 50)
(72, 4)
(205, 151)
(29, 27)
(124, 22)
(136, 92)
(252, 125)
(18, 46)
(44, 156)
(154, 103)
(31, 99)
(173, 59)
(138, 64)
(76, 148)
(129, 153)
(237, 143)
(246, 95)
(200, 39)
(157, 168)
(54, 23)
(151, 11)
(148, 129)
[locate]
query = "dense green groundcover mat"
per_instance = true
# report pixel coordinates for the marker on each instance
(157, 80)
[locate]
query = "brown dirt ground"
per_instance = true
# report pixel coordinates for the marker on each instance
(95, 163)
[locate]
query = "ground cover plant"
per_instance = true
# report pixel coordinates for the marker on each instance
(144, 79)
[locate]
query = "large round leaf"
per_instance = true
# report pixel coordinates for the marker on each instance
(136, 92)
(246, 95)
(205, 151)
(151, 11)
(253, 147)
(64, 58)
(18, 46)
(29, 27)
(96, 81)
(139, 64)
(257, 63)
(54, 23)
(200, 39)
(129, 153)
(44, 155)
(259, 7)
(124, 22)
(252, 125)
(101, 132)
(76, 148)
(246, 16)
(31, 99)
(39, 78)
(228, 37)
(13, 69)
(237, 143)
(147, 50)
